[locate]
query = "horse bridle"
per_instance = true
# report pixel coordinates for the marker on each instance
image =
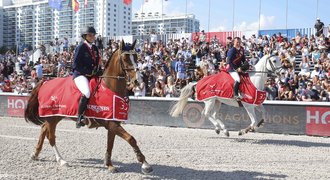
(272, 66)
(125, 70)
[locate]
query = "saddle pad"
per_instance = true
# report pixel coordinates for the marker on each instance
(60, 97)
(221, 85)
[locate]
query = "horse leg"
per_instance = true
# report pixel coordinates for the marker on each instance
(209, 106)
(121, 132)
(250, 109)
(35, 155)
(107, 160)
(263, 115)
(51, 138)
(216, 109)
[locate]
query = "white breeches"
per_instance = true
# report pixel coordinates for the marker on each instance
(235, 76)
(83, 85)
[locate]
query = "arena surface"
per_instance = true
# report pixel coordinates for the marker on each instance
(174, 153)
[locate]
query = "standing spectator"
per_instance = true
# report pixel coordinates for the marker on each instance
(319, 25)
(196, 38)
(38, 68)
(180, 69)
(65, 44)
(202, 37)
(99, 43)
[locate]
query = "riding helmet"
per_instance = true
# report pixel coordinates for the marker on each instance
(88, 29)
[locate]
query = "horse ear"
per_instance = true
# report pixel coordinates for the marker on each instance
(122, 44)
(133, 45)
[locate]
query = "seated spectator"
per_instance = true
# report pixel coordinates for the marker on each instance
(158, 90)
(286, 93)
(139, 88)
(170, 89)
(271, 89)
(7, 87)
(310, 94)
(304, 67)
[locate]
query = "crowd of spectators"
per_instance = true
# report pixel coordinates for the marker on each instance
(168, 66)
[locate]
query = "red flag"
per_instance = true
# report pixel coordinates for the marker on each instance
(75, 5)
(86, 3)
(127, 2)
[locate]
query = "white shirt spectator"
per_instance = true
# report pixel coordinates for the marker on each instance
(38, 68)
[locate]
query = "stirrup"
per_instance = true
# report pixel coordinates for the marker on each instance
(238, 98)
(80, 122)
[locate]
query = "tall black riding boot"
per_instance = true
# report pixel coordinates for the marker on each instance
(236, 88)
(81, 110)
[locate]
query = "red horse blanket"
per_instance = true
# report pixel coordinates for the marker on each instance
(221, 84)
(60, 97)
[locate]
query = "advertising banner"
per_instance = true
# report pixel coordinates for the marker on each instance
(16, 105)
(318, 121)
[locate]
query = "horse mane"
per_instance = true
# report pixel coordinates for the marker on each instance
(108, 62)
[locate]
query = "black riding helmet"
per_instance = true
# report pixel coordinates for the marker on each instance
(88, 29)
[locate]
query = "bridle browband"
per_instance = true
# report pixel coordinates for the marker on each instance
(125, 70)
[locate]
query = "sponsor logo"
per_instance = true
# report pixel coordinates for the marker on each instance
(98, 109)
(192, 115)
(318, 121)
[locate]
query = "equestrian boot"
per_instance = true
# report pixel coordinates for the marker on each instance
(81, 110)
(236, 95)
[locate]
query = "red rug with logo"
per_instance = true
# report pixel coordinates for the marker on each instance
(60, 97)
(221, 85)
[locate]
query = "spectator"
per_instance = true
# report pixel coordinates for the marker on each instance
(319, 25)
(170, 89)
(158, 90)
(139, 88)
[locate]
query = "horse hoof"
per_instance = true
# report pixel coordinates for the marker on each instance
(63, 163)
(34, 157)
(113, 169)
(227, 133)
(217, 131)
(240, 133)
(147, 170)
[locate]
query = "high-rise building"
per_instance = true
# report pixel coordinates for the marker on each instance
(33, 22)
(146, 23)
(1, 26)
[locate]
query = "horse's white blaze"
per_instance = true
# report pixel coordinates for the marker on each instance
(131, 57)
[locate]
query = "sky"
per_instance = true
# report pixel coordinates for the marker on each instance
(226, 15)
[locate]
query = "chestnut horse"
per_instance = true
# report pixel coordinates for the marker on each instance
(120, 69)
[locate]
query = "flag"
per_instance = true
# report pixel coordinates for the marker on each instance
(127, 2)
(69, 3)
(75, 5)
(86, 3)
(55, 4)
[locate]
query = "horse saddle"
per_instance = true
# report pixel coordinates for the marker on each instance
(221, 85)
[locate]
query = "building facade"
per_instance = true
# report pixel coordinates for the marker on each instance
(32, 22)
(146, 23)
(1, 26)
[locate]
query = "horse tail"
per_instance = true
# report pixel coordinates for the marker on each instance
(31, 113)
(186, 92)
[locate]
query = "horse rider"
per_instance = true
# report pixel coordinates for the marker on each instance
(236, 64)
(86, 64)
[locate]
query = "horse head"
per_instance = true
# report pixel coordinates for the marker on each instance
(269, 64)
(122, 66)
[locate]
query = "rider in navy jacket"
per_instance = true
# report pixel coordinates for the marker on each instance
(85, 65)
(236, 59)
